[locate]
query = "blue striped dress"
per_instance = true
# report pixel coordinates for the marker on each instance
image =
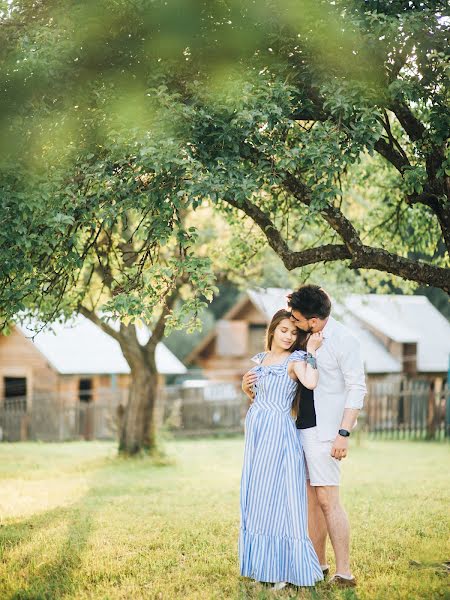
(273, 542)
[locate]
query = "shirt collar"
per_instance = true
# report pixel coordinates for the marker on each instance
(327, 331)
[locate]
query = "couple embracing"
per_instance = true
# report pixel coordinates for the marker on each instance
(306, 392)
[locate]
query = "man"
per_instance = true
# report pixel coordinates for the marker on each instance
(325, 422)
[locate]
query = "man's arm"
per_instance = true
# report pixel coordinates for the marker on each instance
(349, 418)
(352, 367)
(248, 382)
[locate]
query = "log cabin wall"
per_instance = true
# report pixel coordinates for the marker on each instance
(19, 358)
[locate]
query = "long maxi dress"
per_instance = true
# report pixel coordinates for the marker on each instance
(273, 543)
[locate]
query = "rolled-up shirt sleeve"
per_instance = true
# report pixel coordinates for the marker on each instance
(352, 366)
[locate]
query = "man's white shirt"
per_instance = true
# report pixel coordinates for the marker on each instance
(342, 381)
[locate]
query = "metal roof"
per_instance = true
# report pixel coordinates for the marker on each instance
(80, 347)
(407, 319)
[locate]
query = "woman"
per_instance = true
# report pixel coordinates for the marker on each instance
(274, 545)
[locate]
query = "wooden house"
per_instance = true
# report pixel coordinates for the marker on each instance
(66, 366)
(399, 335)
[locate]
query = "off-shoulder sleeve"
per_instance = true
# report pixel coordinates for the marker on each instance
(297, 355)
(258, 358)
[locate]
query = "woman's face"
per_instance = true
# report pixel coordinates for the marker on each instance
(284, 335)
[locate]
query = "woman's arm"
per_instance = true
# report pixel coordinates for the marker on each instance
(306, 373)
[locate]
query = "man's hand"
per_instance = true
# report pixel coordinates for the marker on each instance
(248, 382)
(340, 447)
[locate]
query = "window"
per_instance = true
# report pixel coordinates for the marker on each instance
(85, 390)
(15, 392)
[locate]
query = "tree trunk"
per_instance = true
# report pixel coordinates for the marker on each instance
(137, 423)
(138, 426)
(138, 430)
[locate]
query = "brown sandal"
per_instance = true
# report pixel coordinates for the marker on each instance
(342, 582)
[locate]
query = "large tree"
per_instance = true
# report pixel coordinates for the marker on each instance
(105, 238)
(337, 145)
(325, 123)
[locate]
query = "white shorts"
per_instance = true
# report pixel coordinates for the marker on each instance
(321, 467)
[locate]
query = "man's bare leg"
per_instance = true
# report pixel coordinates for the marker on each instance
(337, 525)
(317, 526)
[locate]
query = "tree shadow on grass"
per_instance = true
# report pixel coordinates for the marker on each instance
(56, 578)
(13, 534)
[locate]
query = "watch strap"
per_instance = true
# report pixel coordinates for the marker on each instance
(311, 360)
(344, 432)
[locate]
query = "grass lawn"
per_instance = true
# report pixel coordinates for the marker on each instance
(77, 522)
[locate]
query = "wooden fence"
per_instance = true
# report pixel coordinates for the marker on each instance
(60, 417)
(407, 408)
(219, 407)
(402, 409)
(393, 409)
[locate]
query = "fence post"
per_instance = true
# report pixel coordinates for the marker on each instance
(447, 403)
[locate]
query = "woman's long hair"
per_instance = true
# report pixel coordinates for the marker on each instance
(299, 344)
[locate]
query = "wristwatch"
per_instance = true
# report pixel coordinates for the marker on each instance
(311, 360)
(344, 433)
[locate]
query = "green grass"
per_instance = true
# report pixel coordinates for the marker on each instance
(77, 522)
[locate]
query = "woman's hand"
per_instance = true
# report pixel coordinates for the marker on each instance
(314, 341)
(248, 382)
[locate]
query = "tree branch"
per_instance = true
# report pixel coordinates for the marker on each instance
(400, 60)
(388, 152)
(160, 326)
(360, 255)
(274, 237)
(392, 140)
(365, 256)
(420, 272)
(332, 215)
(429, 197)
(310, 256)
(413, 127)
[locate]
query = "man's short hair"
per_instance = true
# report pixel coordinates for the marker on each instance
(311, 301)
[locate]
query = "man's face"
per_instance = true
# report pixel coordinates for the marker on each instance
(301, 322)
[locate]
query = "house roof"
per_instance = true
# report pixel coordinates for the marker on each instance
(269, 300)
(377, 359)
(82, 347)
(407, 319)
(404, 319)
